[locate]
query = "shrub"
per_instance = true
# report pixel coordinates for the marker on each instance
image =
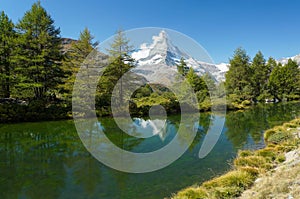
(267, 153)
(279, 137)
(252, 161)
(245, 153)
(191, 193)
(235, 178)
(251, 170)
(268, 133)
(284, 148)
(280, 158)
(246, 103)
(227, 192)
(290, 125)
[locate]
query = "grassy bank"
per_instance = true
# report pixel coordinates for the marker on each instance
(249, 165)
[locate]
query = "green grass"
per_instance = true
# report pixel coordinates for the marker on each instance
(192, 192)
(252, 161)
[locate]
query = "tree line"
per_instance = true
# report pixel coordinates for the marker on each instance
(260, 80)
(34, 64)
(37, 66)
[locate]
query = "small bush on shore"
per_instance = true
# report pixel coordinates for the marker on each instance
(192, 192)
(252, 161)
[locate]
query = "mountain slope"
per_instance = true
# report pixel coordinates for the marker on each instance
(157, 61)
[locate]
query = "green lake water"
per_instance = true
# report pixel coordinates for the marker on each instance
(48, 160)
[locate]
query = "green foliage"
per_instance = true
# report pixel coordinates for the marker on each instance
(144, 91)
(182, 67)
(196, 82)
(120, 63)
(238, 77)
(7, 35)
(280, 158)
(259, 80)
(267, 153)
(229, 185)
(74, 57)
(284, 81)
(245, 153)
(191, 193)
(38, 52)
(251, 170)
(232, 178)
(259, 76)
(279, 137)
(33, 65)
(252, 161)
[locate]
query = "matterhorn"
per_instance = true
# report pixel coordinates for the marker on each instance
(157, 61)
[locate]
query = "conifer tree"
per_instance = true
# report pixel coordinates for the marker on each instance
(74, 57)
(195, 81)
(182, 67)
(238, 76)
(38, 53)
(120, 63)
(259, 75)
(7, 35)
(284, 80)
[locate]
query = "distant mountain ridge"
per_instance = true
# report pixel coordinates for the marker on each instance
(157, 59)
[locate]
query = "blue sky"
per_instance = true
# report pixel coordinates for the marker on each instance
(272, 26)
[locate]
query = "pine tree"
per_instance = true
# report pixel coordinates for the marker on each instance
(238, 76)
(74, 57)
(259, 75)
(38, 53)
(7, 35)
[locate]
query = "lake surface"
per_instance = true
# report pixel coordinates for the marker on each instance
(48, 160)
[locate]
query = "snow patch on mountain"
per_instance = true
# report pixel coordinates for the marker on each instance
(157, 60)
(294, 58)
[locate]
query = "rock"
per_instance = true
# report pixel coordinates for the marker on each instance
(258, 180)
(292, 155)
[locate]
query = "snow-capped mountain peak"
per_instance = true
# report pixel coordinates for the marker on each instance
(294, 58)
(160, 51)
(162, 54)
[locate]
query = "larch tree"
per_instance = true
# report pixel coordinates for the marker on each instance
(120, 63)
(38, 52)
(74, 58)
